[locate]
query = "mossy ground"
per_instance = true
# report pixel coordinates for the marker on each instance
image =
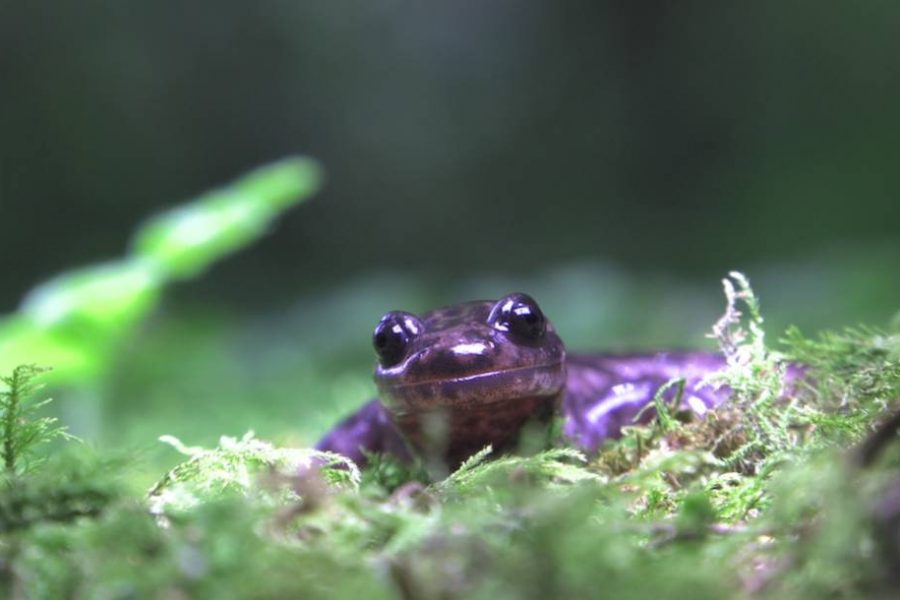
(769, 496)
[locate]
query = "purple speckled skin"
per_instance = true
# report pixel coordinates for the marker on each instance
(463, 383)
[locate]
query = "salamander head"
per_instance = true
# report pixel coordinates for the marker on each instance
(479, 369)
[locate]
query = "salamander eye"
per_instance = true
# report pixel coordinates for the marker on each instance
(519, 315)
(393, 335)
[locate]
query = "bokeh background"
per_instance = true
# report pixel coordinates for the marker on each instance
(613, 158)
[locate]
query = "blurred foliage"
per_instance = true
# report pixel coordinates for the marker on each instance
(76, 321)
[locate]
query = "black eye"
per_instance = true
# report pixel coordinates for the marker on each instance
(392, 336)
(519, 315)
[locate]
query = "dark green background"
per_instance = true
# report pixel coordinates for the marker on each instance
(614, 158)
(459, 137)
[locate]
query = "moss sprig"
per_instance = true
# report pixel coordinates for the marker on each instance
(236, 465)
(21, 426)
(756, 376)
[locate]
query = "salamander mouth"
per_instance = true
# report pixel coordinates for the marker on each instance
(478, 389)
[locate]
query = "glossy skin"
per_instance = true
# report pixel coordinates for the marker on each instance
(456, 379)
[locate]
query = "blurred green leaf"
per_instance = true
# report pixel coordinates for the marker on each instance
(75, 320)
(283, 184)
(107, 297)
(187, 240)
(21, 339)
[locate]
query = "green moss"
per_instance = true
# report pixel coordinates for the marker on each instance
(760, 496)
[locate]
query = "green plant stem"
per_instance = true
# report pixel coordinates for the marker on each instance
(9, 422)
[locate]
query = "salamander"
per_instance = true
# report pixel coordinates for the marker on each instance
(455, 379)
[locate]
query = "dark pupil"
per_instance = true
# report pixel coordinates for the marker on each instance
(390, 343)
(526, 322)
(380, 340)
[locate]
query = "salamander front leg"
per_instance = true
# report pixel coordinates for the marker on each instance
(367, 430)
